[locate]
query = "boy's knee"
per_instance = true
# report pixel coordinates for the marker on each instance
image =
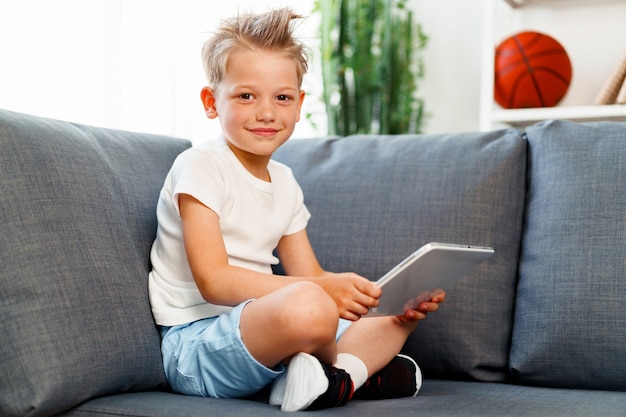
(311, 300)
(310, 313)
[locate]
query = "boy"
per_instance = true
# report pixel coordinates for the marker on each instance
(229, 326)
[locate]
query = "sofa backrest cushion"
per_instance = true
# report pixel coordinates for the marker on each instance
(77, 209)
(374, 200)
(570, 321)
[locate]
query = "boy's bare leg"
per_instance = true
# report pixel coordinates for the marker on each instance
(303, 318)
(298, 322)
(297, 318)
(376, 340)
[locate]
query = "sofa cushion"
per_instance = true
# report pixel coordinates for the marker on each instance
(374, 200)
(77, 210)
(436, 398)
(570, 323)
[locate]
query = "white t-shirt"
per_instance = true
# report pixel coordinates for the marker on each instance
(254, 215)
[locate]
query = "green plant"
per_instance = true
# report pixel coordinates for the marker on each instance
(371, 64)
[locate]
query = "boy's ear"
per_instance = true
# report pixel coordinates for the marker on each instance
(301, 100)
(207, 95)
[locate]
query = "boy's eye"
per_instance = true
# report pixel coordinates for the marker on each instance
(283, 97)
(245, 96)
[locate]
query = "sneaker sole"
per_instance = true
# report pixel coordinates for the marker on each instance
(418, 373)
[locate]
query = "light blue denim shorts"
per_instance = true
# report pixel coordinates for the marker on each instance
(208, 358)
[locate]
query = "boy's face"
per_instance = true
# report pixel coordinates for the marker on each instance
(258, 101)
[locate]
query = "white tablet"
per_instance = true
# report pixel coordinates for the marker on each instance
(433, 266)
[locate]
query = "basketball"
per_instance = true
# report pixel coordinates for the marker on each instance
(531, 70)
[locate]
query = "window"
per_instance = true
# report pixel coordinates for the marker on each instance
(131, 65)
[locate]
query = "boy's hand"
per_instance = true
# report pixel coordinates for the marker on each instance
(353, 294)
(426, 303)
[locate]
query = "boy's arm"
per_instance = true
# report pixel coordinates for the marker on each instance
(353, 294)
(224, 284)
(219, 282)
(298, 258)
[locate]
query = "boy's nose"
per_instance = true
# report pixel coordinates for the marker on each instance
(265, 111)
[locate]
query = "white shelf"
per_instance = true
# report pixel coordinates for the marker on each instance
(526, 117)
(492, 116)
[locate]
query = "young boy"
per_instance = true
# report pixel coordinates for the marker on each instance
(229, 326)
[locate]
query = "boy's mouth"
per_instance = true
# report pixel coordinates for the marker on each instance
(264, 131)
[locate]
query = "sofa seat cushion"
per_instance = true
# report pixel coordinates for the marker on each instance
(376, 199)
(436, 399)
(77, 210)
(570, 324)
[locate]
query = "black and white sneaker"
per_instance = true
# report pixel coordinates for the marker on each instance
(308, 384)
(400, 378)
(339, 392)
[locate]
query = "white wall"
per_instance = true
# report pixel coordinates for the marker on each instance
(134, 64)
(451, 86)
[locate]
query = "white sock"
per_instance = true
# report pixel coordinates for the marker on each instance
(277, 394)
(303, 382)
(354, 367)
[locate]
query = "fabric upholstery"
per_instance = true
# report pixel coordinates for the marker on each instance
(77, 210)
(436, 399)
(374, 200)
(570, 325)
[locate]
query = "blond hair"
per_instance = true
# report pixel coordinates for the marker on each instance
(267, 31)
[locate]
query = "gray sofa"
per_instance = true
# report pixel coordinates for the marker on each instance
(538, 330)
